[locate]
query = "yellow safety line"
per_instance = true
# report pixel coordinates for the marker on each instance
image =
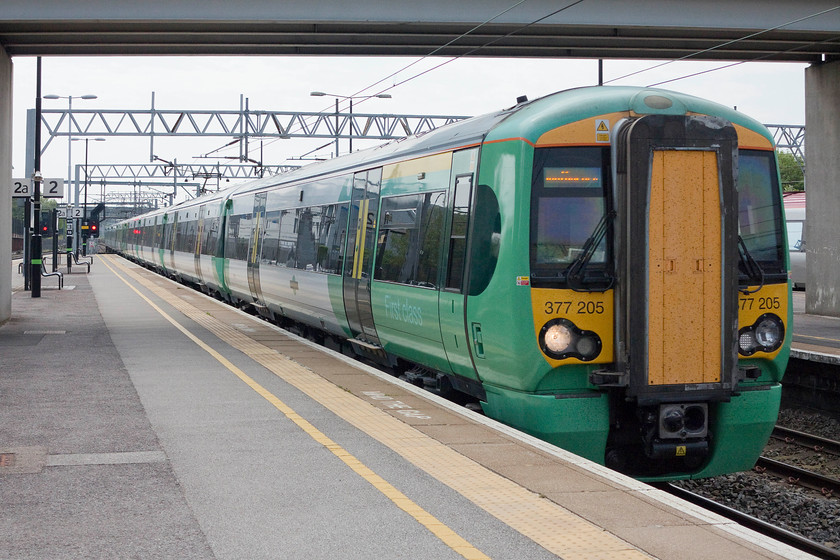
(816, 337)
(436, 527)
(548, 524)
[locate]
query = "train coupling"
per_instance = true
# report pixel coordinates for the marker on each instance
(678, 430)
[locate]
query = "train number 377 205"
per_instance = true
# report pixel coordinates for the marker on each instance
(579, 307)
(762, 303)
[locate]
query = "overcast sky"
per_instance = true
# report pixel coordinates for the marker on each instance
(770, 92)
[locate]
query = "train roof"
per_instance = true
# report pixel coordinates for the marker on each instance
(533, 119)
(454, 135)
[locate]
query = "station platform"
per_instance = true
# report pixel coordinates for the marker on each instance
(141, 419)
(816, 338)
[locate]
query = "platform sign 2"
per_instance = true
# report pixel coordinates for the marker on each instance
(50, 188)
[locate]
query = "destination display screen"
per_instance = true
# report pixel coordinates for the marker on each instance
(574, 177)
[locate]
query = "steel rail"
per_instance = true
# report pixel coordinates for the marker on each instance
(796, 475)
(782, 535)
(806, 440)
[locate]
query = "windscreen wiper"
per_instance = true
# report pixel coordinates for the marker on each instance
(751, 267)
(575, 272)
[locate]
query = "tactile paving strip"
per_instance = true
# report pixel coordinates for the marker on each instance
(546, 523)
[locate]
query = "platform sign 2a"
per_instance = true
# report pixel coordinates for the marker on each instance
(50, 188)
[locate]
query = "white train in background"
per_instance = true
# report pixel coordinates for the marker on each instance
(795, 220)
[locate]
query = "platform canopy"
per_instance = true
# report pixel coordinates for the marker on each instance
(776, 30)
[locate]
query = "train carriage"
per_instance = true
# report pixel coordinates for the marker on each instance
(604, 268)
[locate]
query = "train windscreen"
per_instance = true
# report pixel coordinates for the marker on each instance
(568, 206)
(760, 214)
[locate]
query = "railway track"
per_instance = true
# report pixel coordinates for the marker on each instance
(782, 535)
(829, 486)
(806, 440)
(790, 446)
(795, 475)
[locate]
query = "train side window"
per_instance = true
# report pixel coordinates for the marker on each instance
(458, 235)
(486, 237)
(189, 242)
(167, 234)
(304, 238)
(316, 244)
(307, 253)
(211, 236)
(409, 241)
(271, 238)
(181, 236)
(233, 234)
(333, 221)
(287, 250)
(246, 232)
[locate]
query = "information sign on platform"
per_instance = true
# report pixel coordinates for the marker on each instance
(70, 212)
(50, 188)
(21, 188)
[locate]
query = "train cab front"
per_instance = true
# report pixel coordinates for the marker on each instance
(658, 267)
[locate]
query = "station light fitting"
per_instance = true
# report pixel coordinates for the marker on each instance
(324, 94)
(86, 96)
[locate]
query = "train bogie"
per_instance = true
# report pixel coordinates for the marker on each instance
(604, 268)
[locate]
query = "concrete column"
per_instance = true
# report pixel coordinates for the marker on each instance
(5, 186)
(822, 180)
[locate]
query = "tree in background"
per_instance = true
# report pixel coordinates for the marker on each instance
(791, 171)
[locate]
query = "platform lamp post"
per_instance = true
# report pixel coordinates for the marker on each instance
(87, 180)
(70, 98)
(351, 98)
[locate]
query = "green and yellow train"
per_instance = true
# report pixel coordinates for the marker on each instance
(604, 268)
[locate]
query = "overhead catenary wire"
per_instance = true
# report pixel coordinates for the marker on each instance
(726, 44)
(478, 48)
(440, 48)
(471, 51)
(432, 53)
(738, 63)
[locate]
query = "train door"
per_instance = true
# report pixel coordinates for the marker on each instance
(173, 236)
(452, 296)
(199, 236)
(255, 247)
(160, 224)
(154, 242)
(678, 243)
(364, 206)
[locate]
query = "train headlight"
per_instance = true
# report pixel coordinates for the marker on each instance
(560, 339)
(765, 335)
(557, 338)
